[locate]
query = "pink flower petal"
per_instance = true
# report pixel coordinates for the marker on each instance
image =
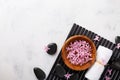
(97, 38)
(67, 76)
(79, 52)
(107, 78)
(46, 48)
(118, 46)
(109, 71)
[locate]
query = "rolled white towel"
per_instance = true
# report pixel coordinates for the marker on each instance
(102, 58)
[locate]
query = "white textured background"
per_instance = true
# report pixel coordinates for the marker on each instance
(26, 26)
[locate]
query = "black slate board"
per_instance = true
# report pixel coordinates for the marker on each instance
(78, 30)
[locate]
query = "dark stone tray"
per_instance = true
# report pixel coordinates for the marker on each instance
(78, 30)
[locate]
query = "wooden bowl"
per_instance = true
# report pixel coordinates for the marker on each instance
(65, 53)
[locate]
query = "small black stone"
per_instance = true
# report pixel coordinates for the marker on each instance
(75, 76)
(60, 71)
(40, 74)
(116, 64)
(117, 39)
(52, 48)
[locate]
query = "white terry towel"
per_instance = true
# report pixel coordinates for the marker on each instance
(102, 58)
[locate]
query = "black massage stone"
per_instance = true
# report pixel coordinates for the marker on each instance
(117, 39)
(52, 48)
(116, 64)
(40, 74)
(60, 71)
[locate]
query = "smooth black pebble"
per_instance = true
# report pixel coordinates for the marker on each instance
(60, 71)
(75, 76)
(116, 64)
(52, 48)
(40, 74)
(117, 39)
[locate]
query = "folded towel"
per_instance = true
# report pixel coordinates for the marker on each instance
(102, 58)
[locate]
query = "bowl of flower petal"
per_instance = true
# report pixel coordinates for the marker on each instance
(79, 52)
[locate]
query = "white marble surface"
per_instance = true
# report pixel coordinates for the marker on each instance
(26, 26)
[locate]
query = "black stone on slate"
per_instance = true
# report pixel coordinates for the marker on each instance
(40, 74)
(75, 76)
(52, 48)
(60, 71)
(116, 64)
(117, 39)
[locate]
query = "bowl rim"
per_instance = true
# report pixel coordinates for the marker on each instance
(77, 67)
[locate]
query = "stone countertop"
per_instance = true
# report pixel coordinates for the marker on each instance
(26, 26)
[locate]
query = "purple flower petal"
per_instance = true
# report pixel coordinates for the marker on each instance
(46, 48)
(67, 76)
(107, 78)
(109, 71)
(79, 52)
(118, 46)
(97, 38)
